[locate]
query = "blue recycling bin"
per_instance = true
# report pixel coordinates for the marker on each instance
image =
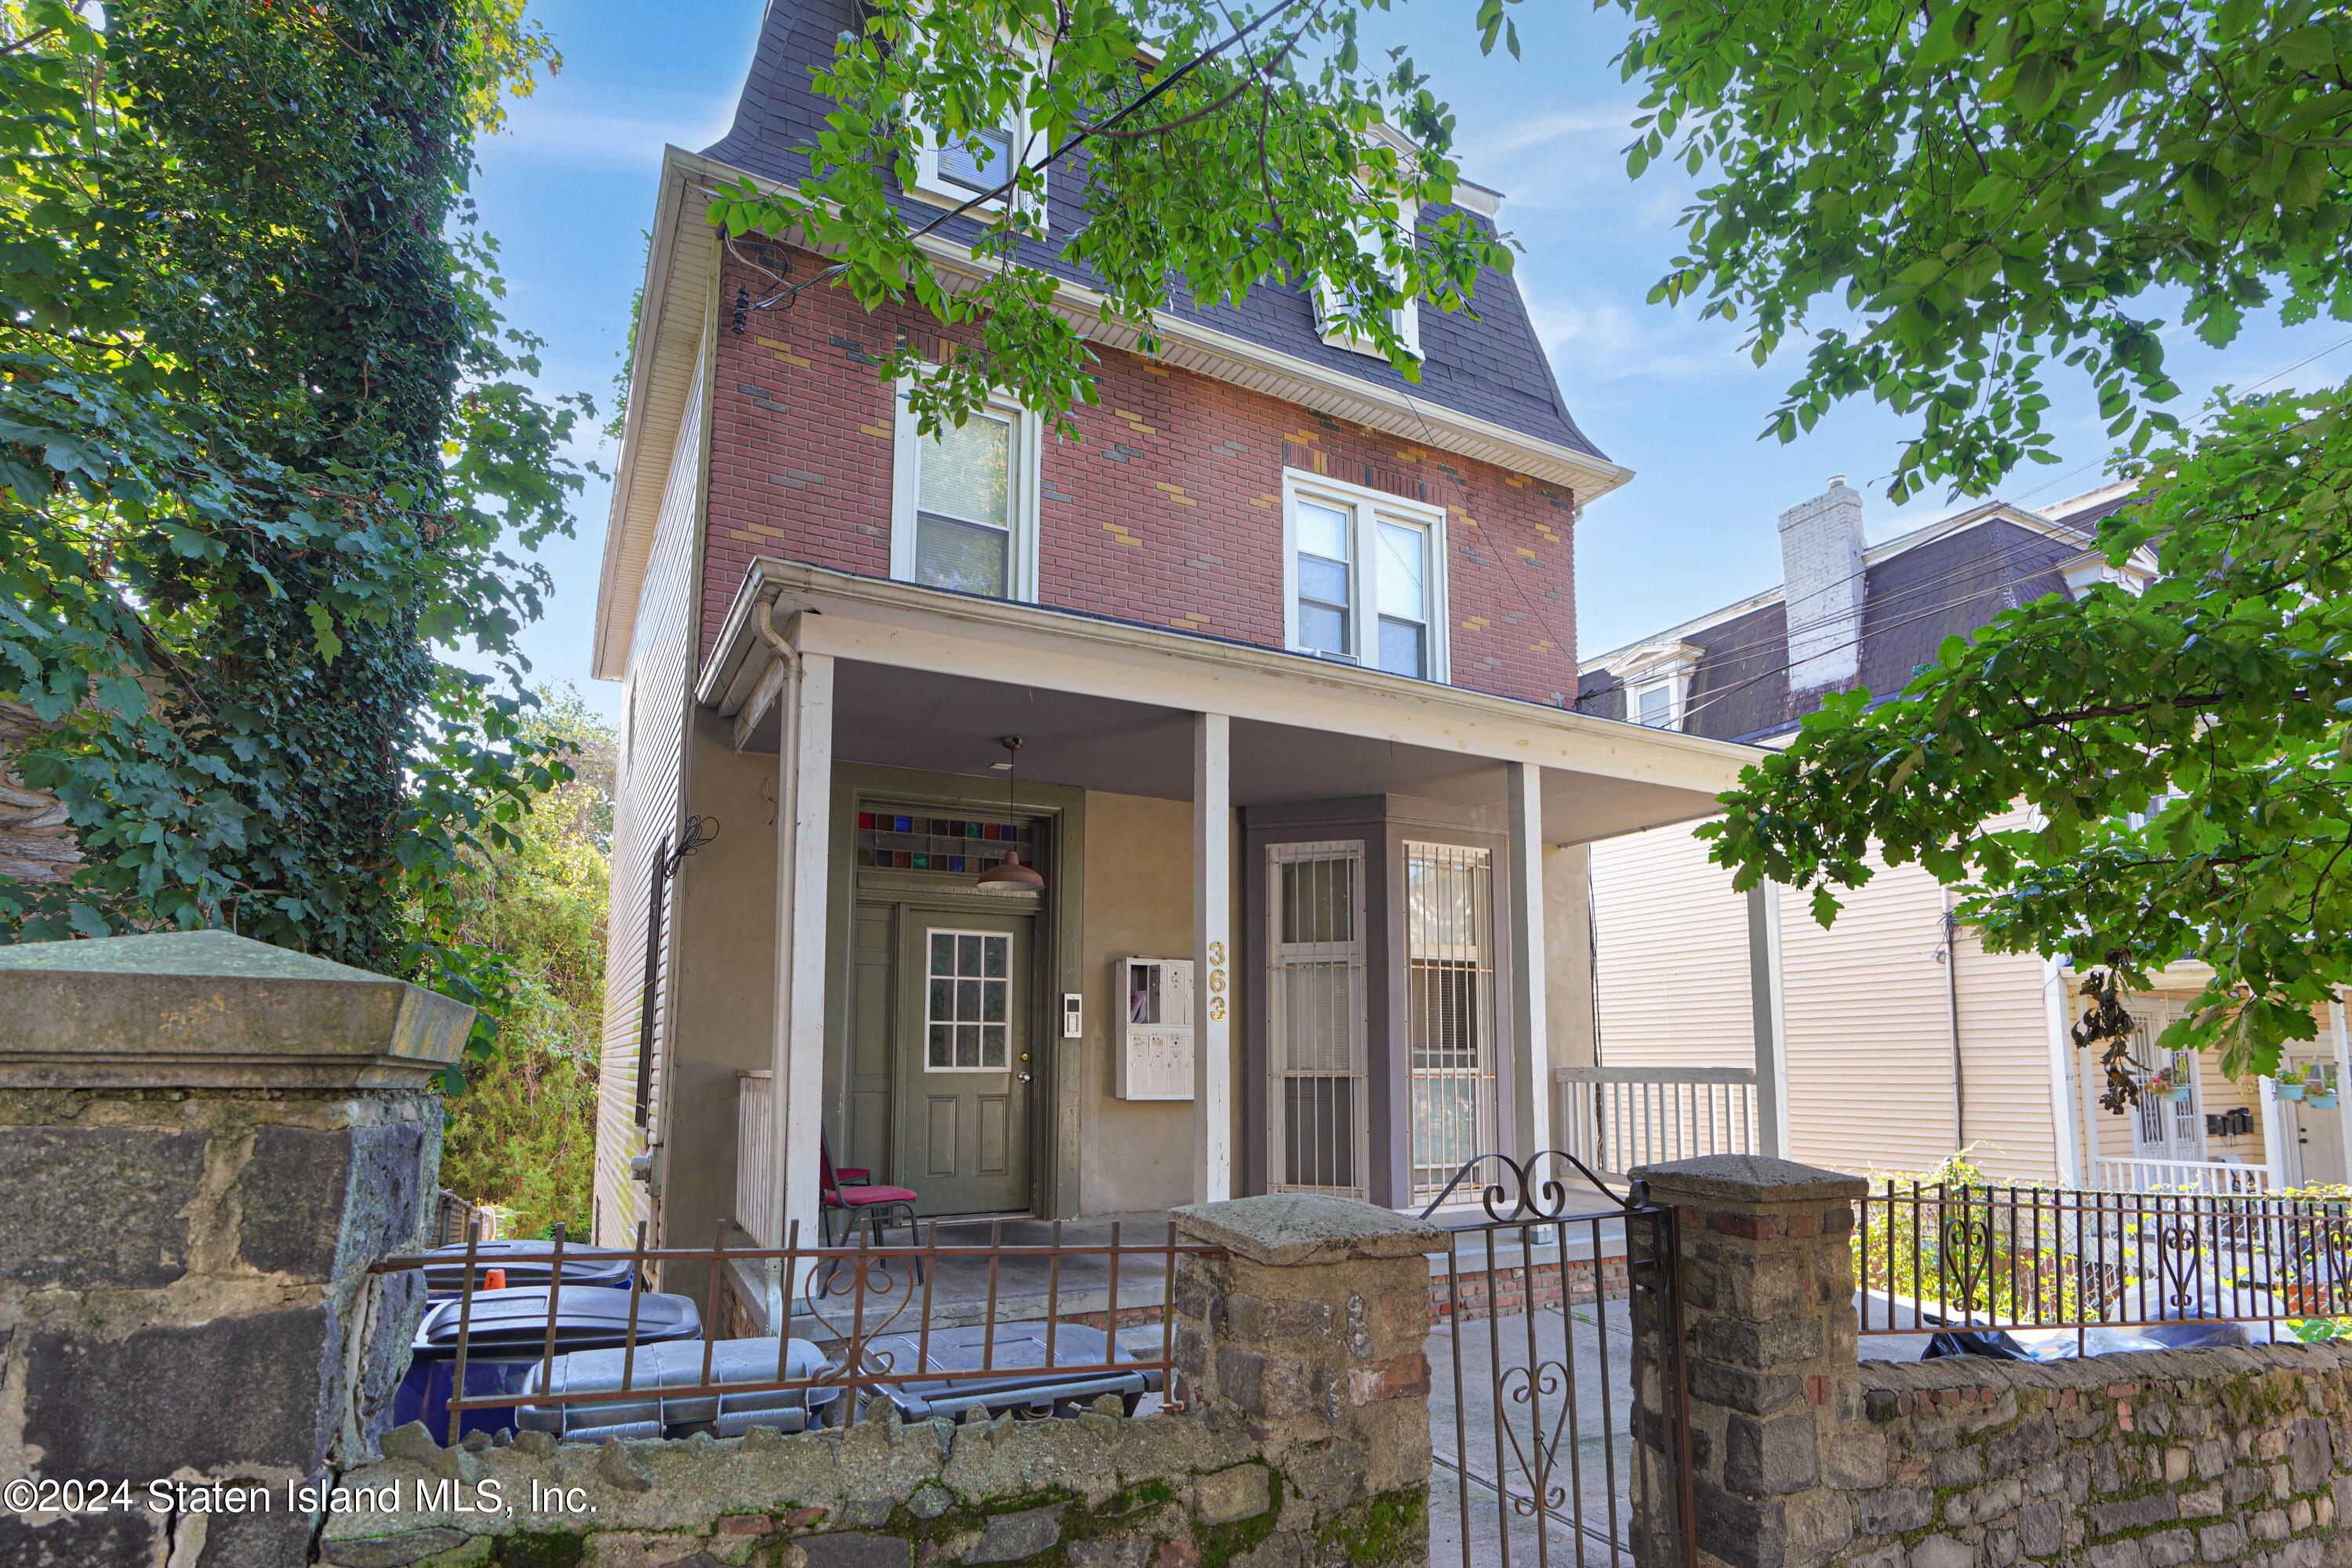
(506, 1336)
(599, 1267)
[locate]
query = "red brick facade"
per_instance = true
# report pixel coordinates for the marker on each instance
(1167, 510)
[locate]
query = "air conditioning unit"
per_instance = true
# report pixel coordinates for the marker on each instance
(1153, 1047)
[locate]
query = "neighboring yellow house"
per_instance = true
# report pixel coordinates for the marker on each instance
(1892, 1038)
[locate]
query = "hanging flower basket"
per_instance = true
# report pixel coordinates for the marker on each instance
(2319, 1099)
(2289, 1084)
(2171, 1086)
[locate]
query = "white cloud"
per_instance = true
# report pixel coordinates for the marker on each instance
(1608, 343)
(542, 130)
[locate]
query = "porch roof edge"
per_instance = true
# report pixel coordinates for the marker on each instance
(899, 624)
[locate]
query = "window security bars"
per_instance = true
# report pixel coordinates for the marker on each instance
(877, 1318)
(1930, 1256)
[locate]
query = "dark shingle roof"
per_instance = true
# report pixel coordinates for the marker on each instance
(1490, 367)
(1912, 601)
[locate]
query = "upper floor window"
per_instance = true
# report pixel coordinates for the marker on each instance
(963, 503)
(953, 167)
(1655, 705)
(1364, 576)
(1330, 311)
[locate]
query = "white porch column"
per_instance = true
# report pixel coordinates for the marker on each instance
(2343, 1044)
(803, 821)
(2276, 1125)
(1524, 789)
(1213, 949)
(2065, 1112)
(1768, 1012)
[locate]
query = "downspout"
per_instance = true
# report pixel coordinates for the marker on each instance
(1951, 956)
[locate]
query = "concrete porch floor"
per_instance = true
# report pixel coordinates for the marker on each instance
(1025, 1285)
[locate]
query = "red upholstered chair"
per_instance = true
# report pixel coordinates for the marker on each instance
(852, 1191)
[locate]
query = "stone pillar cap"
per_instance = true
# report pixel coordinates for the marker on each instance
(1282, 1229)
(1751, 1179)
(208, 1010)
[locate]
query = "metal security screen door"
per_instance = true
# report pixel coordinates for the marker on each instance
(1316, 999)
(1449, 1008)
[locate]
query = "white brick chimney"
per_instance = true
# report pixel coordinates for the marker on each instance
(1821, 576)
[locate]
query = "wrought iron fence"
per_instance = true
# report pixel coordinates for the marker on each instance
(961, 1325)
(1534, 1417)
(1932, 1256)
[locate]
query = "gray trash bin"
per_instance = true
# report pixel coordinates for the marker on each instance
(1020, 1379)
(646, 1411)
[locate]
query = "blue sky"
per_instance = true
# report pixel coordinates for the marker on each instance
(568, 189)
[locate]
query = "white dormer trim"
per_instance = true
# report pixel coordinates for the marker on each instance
(1651, 668)
(931, 185)
(1331, 308)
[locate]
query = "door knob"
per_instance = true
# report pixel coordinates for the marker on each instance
(1024, 1078)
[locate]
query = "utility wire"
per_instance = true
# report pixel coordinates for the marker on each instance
(1979, 565)
(1070, 145)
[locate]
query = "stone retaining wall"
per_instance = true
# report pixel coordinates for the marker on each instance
(1303, 1442)
(1801, 1457)
(2150, 1461)
(1100, 1491)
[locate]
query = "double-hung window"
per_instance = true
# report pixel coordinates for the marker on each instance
(1364, 576)
(964, 511)
(1654, 705)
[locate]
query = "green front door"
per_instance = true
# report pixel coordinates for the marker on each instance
(963, 1058)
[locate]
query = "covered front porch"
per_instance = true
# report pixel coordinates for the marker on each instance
(2211, 1133)
(1302, 926)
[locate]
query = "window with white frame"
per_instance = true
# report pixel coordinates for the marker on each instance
(1331, 312)
(963, 503)
(1658, 705)
(953, 167)
(1364, 576)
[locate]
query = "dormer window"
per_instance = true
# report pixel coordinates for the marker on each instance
(953, 167)
(1331, 315)
(1656, 705)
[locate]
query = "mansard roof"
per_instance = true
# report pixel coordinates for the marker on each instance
(1490, 366)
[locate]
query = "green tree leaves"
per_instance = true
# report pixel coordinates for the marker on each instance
(1221, 150)
(261, 433)
(1941, 201)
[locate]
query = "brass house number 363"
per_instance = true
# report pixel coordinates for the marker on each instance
(1216, 983)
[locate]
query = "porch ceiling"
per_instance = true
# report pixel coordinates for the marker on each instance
(1314, 737)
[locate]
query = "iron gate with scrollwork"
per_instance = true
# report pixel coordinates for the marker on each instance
(1556, 1297)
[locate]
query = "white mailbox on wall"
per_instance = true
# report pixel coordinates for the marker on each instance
(1153, 1045)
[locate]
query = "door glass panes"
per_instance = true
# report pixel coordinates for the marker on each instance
(966, 998)
(963, 507)
(1325, 596)
(1401, 596)
(1449, 1007)
(978, 160)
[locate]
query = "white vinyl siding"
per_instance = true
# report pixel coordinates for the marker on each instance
(646, 814)
(1869, 1054)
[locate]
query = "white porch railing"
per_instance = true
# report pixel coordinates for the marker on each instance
(755, 1155)
(2216, 1177)
(1614, 1118)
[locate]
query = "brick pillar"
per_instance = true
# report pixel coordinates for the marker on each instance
(1774, 1387)
(1309, 1334)
(205, 1141)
